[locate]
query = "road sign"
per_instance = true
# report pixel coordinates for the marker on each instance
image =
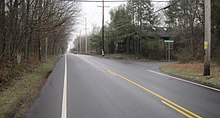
(206, 45)
(168, 41)
(169, 49)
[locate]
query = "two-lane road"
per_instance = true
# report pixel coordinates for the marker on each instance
(91, 87)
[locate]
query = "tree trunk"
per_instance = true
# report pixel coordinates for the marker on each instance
(128, 45)
(39, 48)
(53, 47)
(29, 46)
(2, 28)
(133, 47)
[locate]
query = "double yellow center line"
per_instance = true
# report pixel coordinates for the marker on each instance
(164, 100)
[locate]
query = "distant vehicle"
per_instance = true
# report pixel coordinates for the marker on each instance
(74, 52)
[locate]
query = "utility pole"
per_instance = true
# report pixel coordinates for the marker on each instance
(80, 43)
(103, 31)
(77, 42)
(86, 45)
(207, 42)
(139, 27)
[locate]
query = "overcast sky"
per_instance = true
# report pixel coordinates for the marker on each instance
(93, 14)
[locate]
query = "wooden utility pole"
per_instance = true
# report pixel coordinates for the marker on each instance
(103, 31)
(102, 42)
(207, 42)
(80, 43)
(86, 45)
(139, 28)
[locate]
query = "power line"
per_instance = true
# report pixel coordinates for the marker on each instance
(170, 5)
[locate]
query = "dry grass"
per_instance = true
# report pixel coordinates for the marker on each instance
(194, 71)
(15, 100)
(10, 72)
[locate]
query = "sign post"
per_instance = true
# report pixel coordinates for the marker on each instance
(169, 49)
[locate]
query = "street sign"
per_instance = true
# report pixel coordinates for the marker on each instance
(168, 41)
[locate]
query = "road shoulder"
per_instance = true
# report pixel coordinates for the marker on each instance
(193, 72)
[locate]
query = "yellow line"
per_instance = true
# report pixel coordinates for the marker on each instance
(111, 73)
(177, 109)
(161, 97)
(106, 68)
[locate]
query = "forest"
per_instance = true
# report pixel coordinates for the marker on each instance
(137, 28)
(30, 32)
(26, 26)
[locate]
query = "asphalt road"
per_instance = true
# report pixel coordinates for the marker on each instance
(90, 87)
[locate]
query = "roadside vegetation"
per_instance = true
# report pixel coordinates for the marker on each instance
(194, 71)
(30, 32)
(125, 56)
(16, 99)
(33, 35)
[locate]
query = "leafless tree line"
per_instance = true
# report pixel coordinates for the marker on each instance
(31, 27)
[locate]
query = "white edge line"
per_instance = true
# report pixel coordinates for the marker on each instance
(64, 99)
(208, 87)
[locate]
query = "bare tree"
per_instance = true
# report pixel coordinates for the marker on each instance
(26, 24)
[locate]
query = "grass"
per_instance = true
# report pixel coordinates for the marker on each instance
(15, 100)
(194, 72)
(125, 56)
